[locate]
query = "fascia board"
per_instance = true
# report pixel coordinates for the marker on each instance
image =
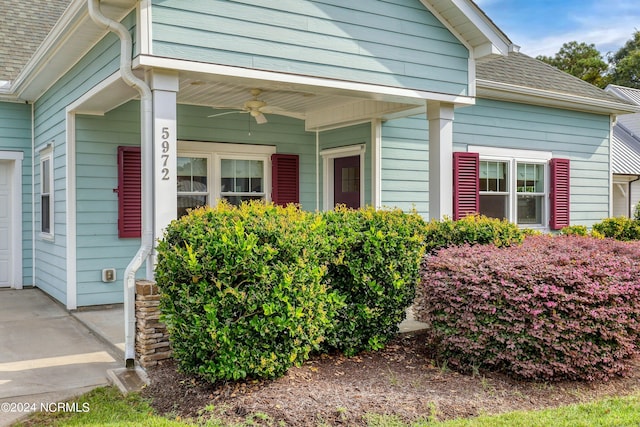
(496, 42)
(515, 93)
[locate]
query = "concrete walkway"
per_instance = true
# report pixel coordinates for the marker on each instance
(49, 355)
(46, 354)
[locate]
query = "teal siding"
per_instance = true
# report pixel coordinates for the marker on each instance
(98, 245)
(344, 137)
(393, 43)
(581, 137)
(405, 168)
(50, 127)
(15, 135)
(97, 205)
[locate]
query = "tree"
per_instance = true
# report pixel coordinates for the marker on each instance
(625, 63)
(581, 60)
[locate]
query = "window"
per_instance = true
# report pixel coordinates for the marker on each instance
(522, 186)
(46, 192)
(530, 189)
(513, 190)
(208, 172)
(494, 191)
(193, 188)
(242, 180)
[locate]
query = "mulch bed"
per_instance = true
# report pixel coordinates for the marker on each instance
(401, 380)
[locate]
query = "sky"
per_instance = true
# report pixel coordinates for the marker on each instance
(541, 27)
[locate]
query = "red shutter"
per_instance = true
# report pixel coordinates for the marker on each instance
(466, 184)
(129, 192)
(559, 193)
(285, 179)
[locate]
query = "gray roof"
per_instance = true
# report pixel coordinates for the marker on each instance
(24, 24)
(521, 70)
(630, 121)
(629, 93)
(625, 151)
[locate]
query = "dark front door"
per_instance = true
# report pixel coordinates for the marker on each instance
(346, 181)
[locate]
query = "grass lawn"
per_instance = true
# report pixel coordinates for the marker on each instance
(109, 408)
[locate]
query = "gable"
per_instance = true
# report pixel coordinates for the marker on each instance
(397, 43)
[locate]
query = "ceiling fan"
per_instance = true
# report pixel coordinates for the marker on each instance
(256, 107)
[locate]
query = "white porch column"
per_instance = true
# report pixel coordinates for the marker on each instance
(376, 163)
(440, 116)
(164, 86)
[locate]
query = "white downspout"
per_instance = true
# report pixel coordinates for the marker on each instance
(146, 152)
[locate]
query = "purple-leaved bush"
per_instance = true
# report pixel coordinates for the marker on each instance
(564, 307)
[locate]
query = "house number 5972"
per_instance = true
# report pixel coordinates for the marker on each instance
(165, 154)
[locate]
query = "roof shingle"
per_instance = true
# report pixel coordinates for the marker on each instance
(23, 27)
(519, 69)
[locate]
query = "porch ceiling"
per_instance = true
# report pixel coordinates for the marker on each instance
(320, 108)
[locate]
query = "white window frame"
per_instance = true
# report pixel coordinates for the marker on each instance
(328, 156)
(47, 155)
(513, 157)
(214, 152)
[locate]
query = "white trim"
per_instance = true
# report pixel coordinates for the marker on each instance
(144, 27)
(11, 155)
(612, 120)
(394, 94)
(376, 164)
(70, 165)
(75, 106)
(33, 195)
(15, 158)
(510, 153)
(327, 168)
(48, 154)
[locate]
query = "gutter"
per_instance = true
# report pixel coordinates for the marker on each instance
(146, 151)
(517, 93)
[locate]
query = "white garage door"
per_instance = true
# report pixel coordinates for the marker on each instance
(5, 223)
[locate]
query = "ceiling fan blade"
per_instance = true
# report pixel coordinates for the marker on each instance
(260, 118)
(227, 112)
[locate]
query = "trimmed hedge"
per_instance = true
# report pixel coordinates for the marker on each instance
(619, 228)
(472, 229)
(564, 307)
(374, 264)
(251, 291)
(242, 292)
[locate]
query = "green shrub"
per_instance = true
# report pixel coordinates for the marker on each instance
(619, 228)
(374, 265)
(636, 212)
(575, 230)
(243, 294)
(472, 229)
